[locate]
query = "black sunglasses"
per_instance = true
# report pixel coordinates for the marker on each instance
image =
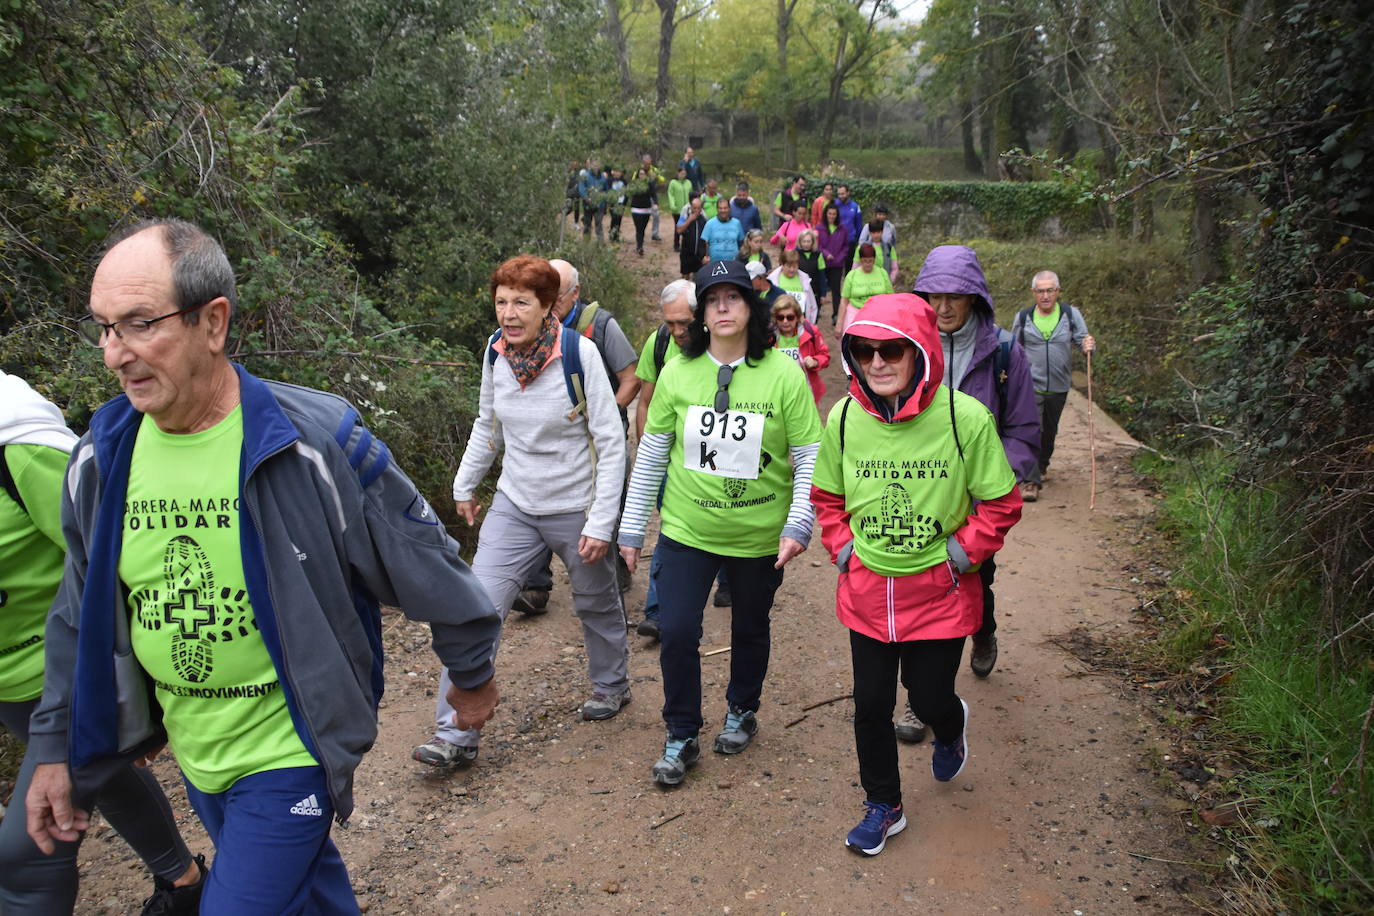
(784, 317)
(890, 351)
(723, 376)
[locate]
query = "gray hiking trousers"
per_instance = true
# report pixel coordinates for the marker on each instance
(512, 544)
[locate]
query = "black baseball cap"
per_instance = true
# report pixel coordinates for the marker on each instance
(717, 272)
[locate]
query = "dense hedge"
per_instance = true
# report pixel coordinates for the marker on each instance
(1010, 209)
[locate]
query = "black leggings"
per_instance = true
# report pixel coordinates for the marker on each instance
(641, 221)
(834, 277)
(928, 668)
(132, 802)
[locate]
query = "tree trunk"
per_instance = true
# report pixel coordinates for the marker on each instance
(667, 10)
(1205, 244)
(972, 164)
(616, 36)
(789, 111)
(832, 102)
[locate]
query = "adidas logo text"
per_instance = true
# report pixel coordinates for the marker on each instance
(310, 807)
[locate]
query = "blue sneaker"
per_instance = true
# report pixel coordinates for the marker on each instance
(880, 822)
(679, 755)
(947, 760)
(741, 725)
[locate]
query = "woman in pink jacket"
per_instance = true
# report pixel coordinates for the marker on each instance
(801, 340)
(912, 490)
(791, 229)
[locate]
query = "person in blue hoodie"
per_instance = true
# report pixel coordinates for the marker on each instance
(230, 542)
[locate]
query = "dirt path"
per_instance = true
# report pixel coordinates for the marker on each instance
(1058, 811)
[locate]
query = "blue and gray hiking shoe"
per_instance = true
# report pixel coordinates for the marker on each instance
(947, 760)
(880, 822)
(740, 728)
(679, 756)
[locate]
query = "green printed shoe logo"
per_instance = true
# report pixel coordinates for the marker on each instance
(734, 487)
(904, 530)
(197, 613)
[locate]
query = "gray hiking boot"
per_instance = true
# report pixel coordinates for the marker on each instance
(532, 602)
(444, 754)
(984, 656)
(605, 705)
(679, 756)
(908, 728)
(740, 728)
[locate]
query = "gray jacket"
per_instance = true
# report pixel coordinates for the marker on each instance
(1051, 360)
(331, 527)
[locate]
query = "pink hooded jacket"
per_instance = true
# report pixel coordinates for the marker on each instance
(946, 600)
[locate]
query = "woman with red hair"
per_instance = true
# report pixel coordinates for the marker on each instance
(562, 467)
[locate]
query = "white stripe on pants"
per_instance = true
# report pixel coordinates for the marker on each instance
(509, 548)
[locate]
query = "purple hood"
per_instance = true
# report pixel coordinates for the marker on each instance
(955, 269)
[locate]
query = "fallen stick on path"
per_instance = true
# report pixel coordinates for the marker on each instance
(847, 696)
(666, 820)
(796, 721)
(714, 652)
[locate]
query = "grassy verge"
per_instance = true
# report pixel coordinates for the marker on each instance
(1291, 713)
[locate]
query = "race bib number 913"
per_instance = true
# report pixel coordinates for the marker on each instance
(724, 444)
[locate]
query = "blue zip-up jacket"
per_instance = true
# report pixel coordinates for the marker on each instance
(329, 528)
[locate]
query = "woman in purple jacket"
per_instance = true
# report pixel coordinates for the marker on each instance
(977, 354)
(834, 242)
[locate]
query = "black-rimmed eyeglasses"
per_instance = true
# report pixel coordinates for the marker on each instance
(136, 329)
(723, 376)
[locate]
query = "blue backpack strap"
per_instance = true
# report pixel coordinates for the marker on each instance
(572, 371)
(491, 347)
(1003, 371)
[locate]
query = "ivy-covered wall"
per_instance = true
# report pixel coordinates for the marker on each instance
(1005, 209)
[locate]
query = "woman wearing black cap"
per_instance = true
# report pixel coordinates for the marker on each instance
(735, 429)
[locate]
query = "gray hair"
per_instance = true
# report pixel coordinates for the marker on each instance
(1045, 273)
(676, 289)
(201, 271)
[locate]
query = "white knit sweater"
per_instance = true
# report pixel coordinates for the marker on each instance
(551, 464)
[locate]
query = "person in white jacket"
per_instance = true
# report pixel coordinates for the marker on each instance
(790, 278)
(562, 470)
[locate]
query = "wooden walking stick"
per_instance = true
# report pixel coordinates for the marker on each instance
(1092, 440)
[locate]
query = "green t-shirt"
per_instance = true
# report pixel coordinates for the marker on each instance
(31, 552)
(679, 193)
(859, 286)
(904, 485)
(708, 205)
(191, 621)
(729, 478)
(791, 285)
(646, 369)
(791, 346)
(1045, 324)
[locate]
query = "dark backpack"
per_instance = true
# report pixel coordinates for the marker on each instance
(572, 368)
(8, 484)
(1018, 323)
(953, 424)
(661, 342)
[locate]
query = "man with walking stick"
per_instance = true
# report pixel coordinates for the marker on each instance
(1048, 331)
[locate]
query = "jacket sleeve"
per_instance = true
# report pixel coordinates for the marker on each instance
(822, 353)
(984, 530)
(48, 725)
(405, 558)
(833, 518)
(608, 444)
(1078, 328)
(484, 441)
(1019, 424)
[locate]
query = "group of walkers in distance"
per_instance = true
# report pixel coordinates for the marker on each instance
(204, 567)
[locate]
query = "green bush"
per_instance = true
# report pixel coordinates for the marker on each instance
(1241, 605)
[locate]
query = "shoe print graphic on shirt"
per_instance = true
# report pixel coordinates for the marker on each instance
(733, 486)
(897, 527)
(198, 614)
